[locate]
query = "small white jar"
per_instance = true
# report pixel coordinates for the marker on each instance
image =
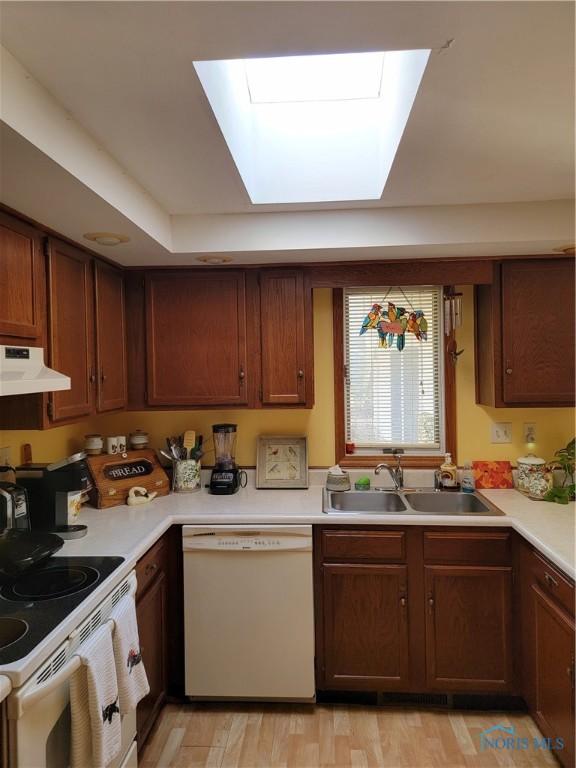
(93, 444)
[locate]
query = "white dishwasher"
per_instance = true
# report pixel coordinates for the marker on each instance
(249, 612)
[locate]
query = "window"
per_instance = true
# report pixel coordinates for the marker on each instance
(391, 398)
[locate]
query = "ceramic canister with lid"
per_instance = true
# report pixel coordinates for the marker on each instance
(534, 476)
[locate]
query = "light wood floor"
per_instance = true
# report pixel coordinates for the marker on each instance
(330, 736)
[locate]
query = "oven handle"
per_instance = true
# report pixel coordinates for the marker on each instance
(22, 700)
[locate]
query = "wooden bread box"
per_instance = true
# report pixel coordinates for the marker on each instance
(114, 474)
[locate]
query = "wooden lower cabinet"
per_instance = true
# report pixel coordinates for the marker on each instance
(151, 612)
(468, 628)
(414, 610)
(365, 626)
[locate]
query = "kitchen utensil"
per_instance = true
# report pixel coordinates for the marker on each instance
(189, 442)
(20, 551)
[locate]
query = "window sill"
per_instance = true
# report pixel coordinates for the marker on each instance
(358, 461)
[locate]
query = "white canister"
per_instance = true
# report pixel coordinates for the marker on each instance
(112, 445)
(93, 444)
(534, 476)
(139, 439)
(121, 440)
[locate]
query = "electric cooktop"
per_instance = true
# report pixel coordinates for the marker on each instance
(34, 605)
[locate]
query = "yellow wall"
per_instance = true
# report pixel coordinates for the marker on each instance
(554, 426)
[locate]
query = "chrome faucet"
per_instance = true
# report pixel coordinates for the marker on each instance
(396, 473)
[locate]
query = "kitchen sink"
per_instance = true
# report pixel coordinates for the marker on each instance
(451, 503)
(364, 502)
(409, 502)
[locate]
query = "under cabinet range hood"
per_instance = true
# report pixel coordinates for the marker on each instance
(22, 372)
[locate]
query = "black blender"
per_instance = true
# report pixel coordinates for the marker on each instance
(226, 478)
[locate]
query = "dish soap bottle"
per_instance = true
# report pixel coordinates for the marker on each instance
(467, 483)
(448, 472)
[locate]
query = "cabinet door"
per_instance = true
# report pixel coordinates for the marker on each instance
(538, 331)
(22, 281)
(468, 628)
(554, 630)
(71, 329)
(285, 335)
(365, 627)
(196, 338)
(110, 338)
(151, 615)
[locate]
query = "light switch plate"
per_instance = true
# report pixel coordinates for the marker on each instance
(5, 455)
(501, 432)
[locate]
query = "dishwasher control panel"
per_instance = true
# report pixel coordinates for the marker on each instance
(201, 538)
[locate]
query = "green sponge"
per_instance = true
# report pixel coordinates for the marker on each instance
(362, 484)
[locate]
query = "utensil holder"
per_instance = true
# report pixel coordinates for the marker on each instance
(186, 476)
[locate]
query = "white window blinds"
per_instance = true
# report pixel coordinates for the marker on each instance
(394, 399)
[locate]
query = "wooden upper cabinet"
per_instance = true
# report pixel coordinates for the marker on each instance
(524, 353)
(468, 628)
(71, 332)
(286, 338)
(196, 338)
(365, 643)
(110, 337)
(22, 282)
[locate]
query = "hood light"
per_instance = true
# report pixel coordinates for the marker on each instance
(106, 238)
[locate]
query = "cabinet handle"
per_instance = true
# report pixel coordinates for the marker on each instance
(241, 375)
(550, 580)
(300, 374)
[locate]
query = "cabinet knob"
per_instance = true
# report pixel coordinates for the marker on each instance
(430, 605)
(241, 375)
(102, 376)
(92, 376)
(508, 371)
(403, 602)
(300, 374)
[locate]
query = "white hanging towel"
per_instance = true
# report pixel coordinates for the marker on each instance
(130, 672)
(95, 716)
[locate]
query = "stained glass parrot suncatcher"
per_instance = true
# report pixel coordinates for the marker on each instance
(394, 323)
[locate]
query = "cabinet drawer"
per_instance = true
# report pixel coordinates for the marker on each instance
(150, 565)
(489, 548)
(553, 582)
(367, 545)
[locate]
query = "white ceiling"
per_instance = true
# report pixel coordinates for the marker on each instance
(493, 121)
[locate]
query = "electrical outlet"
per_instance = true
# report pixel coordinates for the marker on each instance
(5, 455)
(501, 432)
(529, 432)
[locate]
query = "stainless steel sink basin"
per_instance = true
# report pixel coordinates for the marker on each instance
(363, 502)
(449, 504)
(408, 502)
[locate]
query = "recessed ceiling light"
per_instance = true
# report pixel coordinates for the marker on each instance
(106, 238)
(214, 259)
(569, 250)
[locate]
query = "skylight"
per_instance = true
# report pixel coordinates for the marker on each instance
(314, 78)
(305, 129)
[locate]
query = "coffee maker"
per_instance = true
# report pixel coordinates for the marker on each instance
(226, 477)
(55, 493)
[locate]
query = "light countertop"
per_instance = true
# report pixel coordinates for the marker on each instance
(130, 531)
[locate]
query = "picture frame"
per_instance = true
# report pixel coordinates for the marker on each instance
(282, 462)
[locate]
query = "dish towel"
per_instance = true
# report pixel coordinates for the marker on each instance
(95, 715)
(130, 672)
